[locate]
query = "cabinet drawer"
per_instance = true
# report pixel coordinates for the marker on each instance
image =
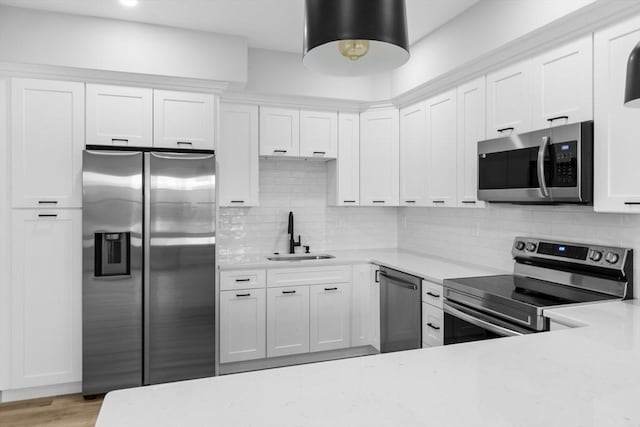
(432, 293)
(296, 276)
(242, 279)
(432, 325)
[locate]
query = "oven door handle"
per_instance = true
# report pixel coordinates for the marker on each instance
(499, 330)
(544, 191)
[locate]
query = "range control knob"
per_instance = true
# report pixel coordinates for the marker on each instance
(531, 246)
(520, 245)
(611, 257)
(595, 255)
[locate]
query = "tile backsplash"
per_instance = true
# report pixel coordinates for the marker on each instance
(484, 236)
(300, 186)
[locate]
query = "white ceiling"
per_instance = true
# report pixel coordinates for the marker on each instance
(268, 24)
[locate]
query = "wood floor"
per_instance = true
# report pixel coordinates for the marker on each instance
(62, 411)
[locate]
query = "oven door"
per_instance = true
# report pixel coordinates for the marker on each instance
(464, 324)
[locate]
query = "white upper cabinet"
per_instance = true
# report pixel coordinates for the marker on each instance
(616, 149)
(509, 100)
(46, 297)
(119, 116)
(329, 317)
(379, 157)
(442, 149)
(344, 173)
(47, 128)
(563, 84)
(318, 134)
(237, 155)
(413, 155)
(183, 120)
(471, 129)
(279, 132)
(242, 325)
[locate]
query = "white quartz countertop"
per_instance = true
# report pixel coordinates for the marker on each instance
(428, 267)
(587, 376)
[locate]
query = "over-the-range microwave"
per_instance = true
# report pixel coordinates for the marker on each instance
(548, 166)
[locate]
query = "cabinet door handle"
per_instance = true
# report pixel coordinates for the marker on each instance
(184, 143)
(288, 292)
(506, 129)
(330, 289)
(243, 280)
(47, 202)
(552, 119)
(433, 295)
(348, 201)
(439, 202)
(47, 215)
(469, 202)
(319, 153)
(377, 276)
(119, 140)
(632, 203)
(279, 151)
(237, 201)
(409, 201)
(378, 201)
(243, 295)
(432, 326)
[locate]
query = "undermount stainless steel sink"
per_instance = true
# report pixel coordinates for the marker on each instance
(299, 257)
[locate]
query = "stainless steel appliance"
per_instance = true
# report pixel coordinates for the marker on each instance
(553, 165)
(148, 266)
(547, 274)
(400, 311)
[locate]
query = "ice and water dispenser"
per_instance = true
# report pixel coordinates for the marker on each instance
(112, 254)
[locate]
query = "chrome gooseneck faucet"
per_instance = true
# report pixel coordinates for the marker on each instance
(292, 242)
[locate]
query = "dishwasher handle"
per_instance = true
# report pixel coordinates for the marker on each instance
(399, 282)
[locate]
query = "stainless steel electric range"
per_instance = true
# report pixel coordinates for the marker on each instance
(546, 274)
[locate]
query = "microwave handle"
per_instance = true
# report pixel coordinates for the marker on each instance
(544, 191)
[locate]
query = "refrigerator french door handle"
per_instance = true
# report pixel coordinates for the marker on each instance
(185, 156)
(544, 191)
(146, 252)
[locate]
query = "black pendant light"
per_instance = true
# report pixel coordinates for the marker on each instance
(632, 87)
(355, 37)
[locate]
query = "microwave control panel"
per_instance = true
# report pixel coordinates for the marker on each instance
(565, 163)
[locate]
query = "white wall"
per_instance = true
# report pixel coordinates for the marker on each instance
(36, 37)
(281, 73)
(485, 236)
(480, 30)
(300, 186)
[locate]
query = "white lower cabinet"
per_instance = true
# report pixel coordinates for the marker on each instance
(329, 317)
(46, 297)
(365, 306)
(287, 321)
(242, 325)
(432, 325)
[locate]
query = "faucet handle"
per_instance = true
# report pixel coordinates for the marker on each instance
(307, 249)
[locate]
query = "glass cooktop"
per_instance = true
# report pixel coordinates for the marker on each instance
(539, 293)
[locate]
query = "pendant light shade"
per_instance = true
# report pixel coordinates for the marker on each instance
(632, 87)
(355, 37)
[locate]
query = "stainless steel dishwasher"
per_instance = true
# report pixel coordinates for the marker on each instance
(400, 311)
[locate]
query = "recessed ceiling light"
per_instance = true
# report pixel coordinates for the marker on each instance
(129, 3)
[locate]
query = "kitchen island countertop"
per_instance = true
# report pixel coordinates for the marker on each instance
(586, 376)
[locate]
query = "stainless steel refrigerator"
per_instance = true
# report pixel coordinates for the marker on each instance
(148, 265)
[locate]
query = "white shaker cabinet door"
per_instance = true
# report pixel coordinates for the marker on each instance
(616, 147)
(279, 132)
(46, 297)
(287, 321)
(47, 128)
(471, 129)
(344, 172)
(563, 84)
(413, 155)
(318, 134)
(121, 116)
(242, 325)
(237, 156)
(509, 100)
(442, 150)
(183, 120)
(330, 317)
(379, 157)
